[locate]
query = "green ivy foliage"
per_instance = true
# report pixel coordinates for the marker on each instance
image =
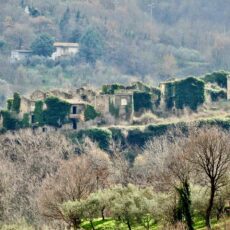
(56, 112)
(10, 122)
(90, 113)
(16, 103)
(115, 111)
(189, 92)
(142, 101)
(220, 78)
(111, 89)
(38, 113)
(102, 136)
(25, 122)
(217, 95)
(9, 104)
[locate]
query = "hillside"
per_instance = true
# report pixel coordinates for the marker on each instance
(170, 38)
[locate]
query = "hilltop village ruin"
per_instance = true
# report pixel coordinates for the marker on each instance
(113, 104)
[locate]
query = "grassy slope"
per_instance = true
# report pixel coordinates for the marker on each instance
(111, 225)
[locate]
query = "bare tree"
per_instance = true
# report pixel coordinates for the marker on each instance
(75, 180)
(26, 160)
(209, 150)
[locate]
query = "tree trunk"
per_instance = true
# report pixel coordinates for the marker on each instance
(92, 226)
(76, 224)
(209, 209)
(102, 213)
(128, 224)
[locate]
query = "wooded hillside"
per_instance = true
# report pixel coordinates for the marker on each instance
(131, 39)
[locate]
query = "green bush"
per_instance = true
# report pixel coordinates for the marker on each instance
(111, 89)
(117, 135)
(220, 78)
(101, 136)
(90, 113)
(217, 95)
(142, 101)
(56, 112)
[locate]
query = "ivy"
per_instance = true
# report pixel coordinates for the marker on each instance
(111, 89)
(56, 112)
(16, 103)
(217, 95)
(142, 101)
(9, 104)
(220, 78)
(101, 136)
(189, 92)
(90, 113)
(25, 123)
(9, 121)
(38, 113)
(115, 111)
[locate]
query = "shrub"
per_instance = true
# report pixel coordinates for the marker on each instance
(142, 101)
(56, 112)
(101, 136)
(217, 95)
(90, 113)
(220, 78)
(117, 135)
(111, 89)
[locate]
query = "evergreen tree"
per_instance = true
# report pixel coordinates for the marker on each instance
(43, 45)
(91, 46)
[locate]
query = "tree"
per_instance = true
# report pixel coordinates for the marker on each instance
(91, 45)
(209, 150)
(74, 181)
(126, 204)
(27, 159)
(165, 164)
(64, 23)
(43, 45)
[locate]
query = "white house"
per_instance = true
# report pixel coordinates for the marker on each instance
(18, 55)
(65, 49)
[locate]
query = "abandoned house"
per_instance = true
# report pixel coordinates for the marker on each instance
(20, 55)
(65, 49)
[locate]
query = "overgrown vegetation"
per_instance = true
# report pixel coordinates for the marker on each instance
(56, 112)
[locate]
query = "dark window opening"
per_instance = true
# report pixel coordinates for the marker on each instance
(44, 129)
(74, 124)
(74, 109)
